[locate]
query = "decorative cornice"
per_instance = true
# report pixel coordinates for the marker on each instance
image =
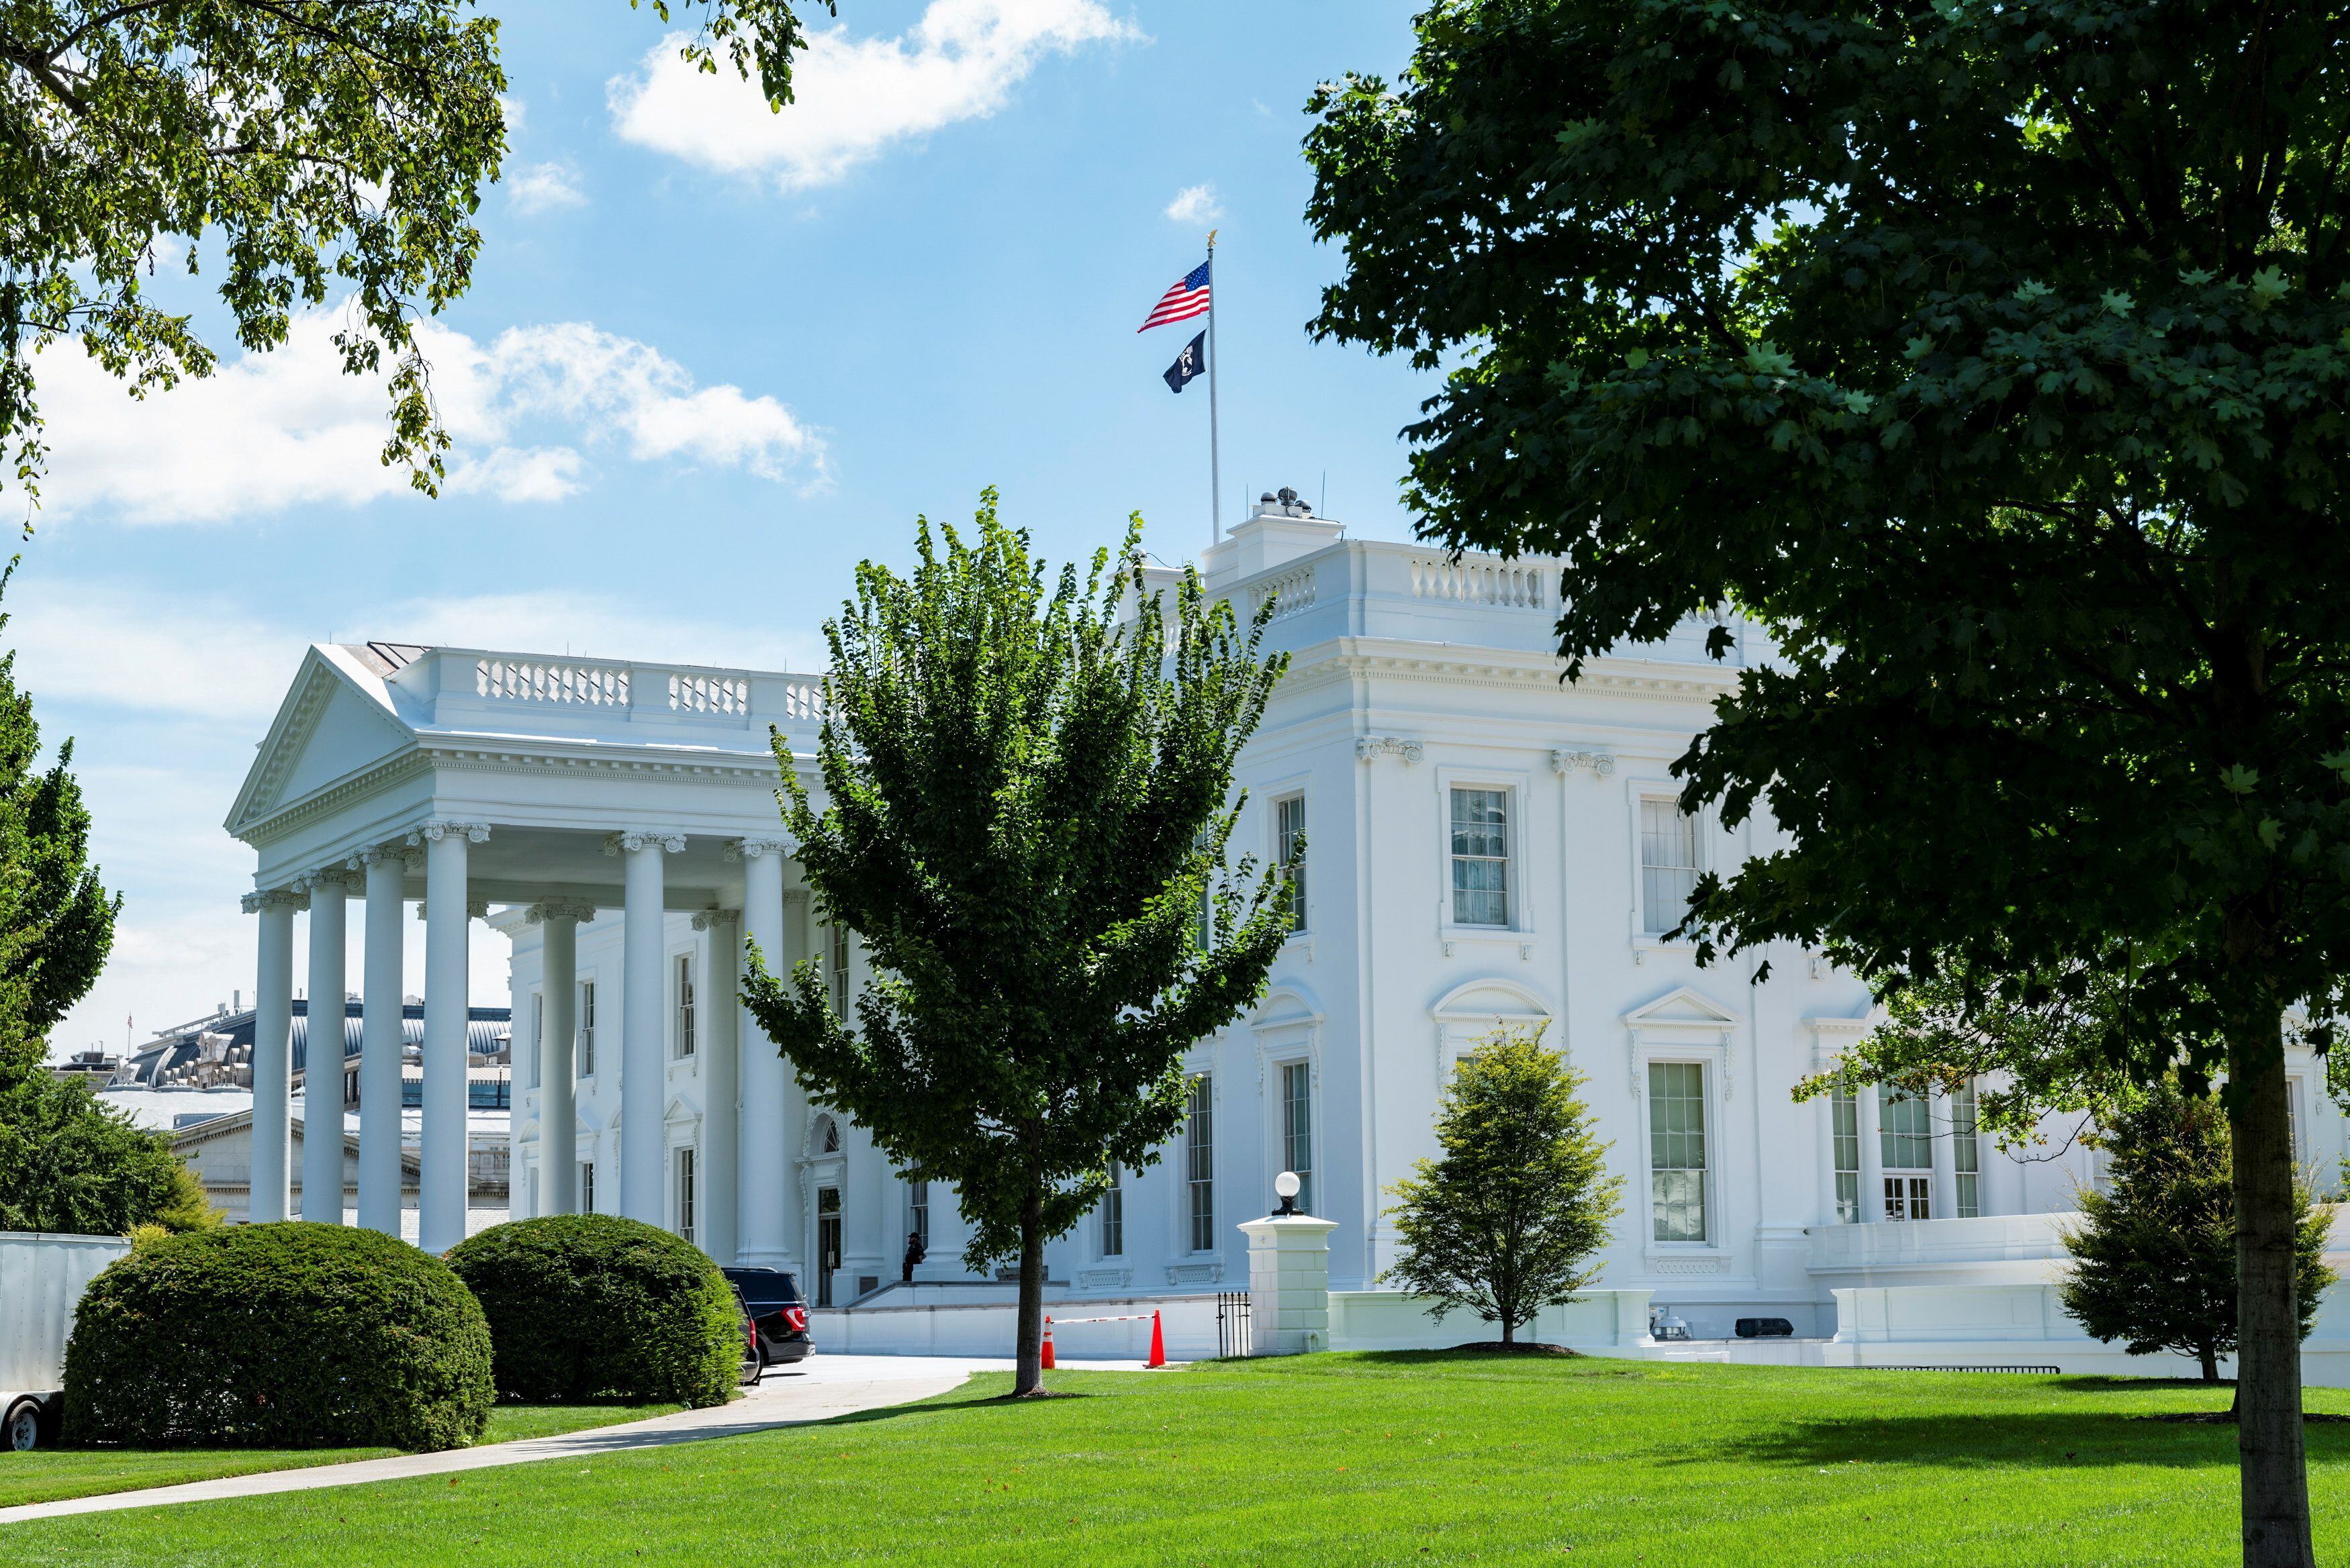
(638, 838)
(547, 909)
(751, 848)
(709, 918)
(434, 832)
(796, 898)
(329, 876)
(267, 898)
(1369, 746)
(1600, 763)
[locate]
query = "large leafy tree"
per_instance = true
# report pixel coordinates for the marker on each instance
(1506, 1221)
(312, 146)
(1992, 356)
(1030, 800)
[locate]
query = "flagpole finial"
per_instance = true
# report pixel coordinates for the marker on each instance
(1211, 239)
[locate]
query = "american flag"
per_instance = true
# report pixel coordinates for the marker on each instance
(1182, 302)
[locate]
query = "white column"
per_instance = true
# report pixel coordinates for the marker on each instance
(441, 1158)
(1946, 1156)
(322, 1054)
(768, 1136)
(273, 1053)
(644, 993)
(381, 1007)
(1827, 1157)
(558, 1105)
(1872, 1155)
(721, 1007)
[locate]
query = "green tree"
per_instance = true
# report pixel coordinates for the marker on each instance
(2153, 1260)
(1506, 1221)
(1029, 806)
(1993, 359)
(319, 144)
(72, 1163)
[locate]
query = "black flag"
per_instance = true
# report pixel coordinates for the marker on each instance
(1188, 364)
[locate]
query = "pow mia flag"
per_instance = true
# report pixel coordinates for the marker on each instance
(1191, 362)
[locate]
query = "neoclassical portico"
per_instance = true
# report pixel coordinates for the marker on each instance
(570, 791)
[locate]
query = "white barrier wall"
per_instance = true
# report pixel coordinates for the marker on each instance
(992, 1328)
(42, 1277)
(1390, 1320)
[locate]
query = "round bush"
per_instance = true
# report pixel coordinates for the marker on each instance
(288, 1335)
(589, 1307)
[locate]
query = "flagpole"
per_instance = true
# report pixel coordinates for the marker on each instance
(1215, 459)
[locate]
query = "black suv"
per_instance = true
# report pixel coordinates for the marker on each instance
(774, 1298)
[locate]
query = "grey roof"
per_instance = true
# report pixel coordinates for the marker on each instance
(485, 1030)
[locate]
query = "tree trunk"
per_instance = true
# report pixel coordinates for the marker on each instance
(1509, 1329)
(2211, 1360)
(1029, 1377)
(2272, 1467)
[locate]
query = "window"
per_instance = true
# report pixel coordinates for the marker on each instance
(489, 1094)
(587, 1187)
(1966, 1151)
(685, 1004)
(1907, 1143)
(1668, 864)
(1844, 1110)
(1113, 1215)
(686, 1194)
(1297, 1128)
(588, 1029)
(918, 1212)
(1677, 1150)
(538, 1034)
(1200, 1163)
(1481, 857)
(1289, 849)
(839, 972)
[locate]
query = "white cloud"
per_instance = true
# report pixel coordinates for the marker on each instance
(542, 187)
(855, 98)
(1195, 204)
(278, 430)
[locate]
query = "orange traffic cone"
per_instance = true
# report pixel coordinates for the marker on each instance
(1048, 1345)
(1158, 1344)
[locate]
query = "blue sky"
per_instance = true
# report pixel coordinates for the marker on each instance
(710, 361)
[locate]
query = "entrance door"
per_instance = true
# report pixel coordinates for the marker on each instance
(1908, 1197)
(827, 1241)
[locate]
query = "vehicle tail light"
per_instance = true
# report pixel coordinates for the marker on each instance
(797, 1318)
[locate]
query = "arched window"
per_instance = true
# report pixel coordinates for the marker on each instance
(827, 1136)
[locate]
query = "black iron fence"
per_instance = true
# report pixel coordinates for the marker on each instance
(1232, 1323)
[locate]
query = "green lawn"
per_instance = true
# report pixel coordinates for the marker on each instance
(47, 1474)
(1335, 1459)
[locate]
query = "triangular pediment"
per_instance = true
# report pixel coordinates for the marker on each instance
(1683, 1007)
(327, 728)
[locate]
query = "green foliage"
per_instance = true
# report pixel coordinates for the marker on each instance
(284, 1336)
(587, 1307)
(1505, 1221)
(73, 1163)
(2153, 1260)
(319, 145)
(1029, 807)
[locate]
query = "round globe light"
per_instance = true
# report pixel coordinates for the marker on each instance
(1287, 1184)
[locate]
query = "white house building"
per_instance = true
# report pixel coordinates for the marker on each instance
(1488, 847)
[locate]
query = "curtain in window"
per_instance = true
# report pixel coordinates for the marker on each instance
(1668, 864)
(1481, 857)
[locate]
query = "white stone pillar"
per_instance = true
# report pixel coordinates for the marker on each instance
(644, 995)
(1946, 1156)
(558, 1104)
(1289, 1284)
(322, 1054)
(273, 1053)
(764, 1235)
(721, 1007)
(1872, 1155)
(442, 1162)
(381, 1008)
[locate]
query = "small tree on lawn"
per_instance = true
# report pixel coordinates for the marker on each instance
(2153, 1260)
(1029, 809)
(1504, 1223)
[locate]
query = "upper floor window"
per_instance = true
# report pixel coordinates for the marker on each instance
(586, 1028)
(1481, 857)
(685, 1004)
(840, 969)
(1289, 849)
(1668, 864)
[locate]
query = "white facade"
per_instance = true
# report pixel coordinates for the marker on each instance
(1487, 846)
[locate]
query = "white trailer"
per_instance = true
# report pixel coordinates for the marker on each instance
(42, 1278)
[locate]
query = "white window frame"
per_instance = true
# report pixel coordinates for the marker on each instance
(685, 1188)
(1707, 1043)
(682, 971)
(1637, 792)
(583, 1032)
(538, 1036)
(1277, 847)
(1709, 1184)
(1219, 1148)
(1110, 1217)
(587, 1193)
(1518, 792)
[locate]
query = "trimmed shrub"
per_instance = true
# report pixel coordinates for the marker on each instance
(285, 1336)
(593, 1307)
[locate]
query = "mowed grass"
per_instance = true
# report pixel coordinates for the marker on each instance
(1335, 1459)
(45, 1475)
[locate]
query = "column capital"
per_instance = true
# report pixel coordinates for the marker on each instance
(477, 906)
(434, 832)
(751, 848)
(709, 918)
(635, 838)
(326, 878)
(376, 854)
(547, 909)
(1601, 764)
(796, 898)
(269, 898)
(1369, 746)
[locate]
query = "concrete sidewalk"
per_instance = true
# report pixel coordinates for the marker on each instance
(817, 1389)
